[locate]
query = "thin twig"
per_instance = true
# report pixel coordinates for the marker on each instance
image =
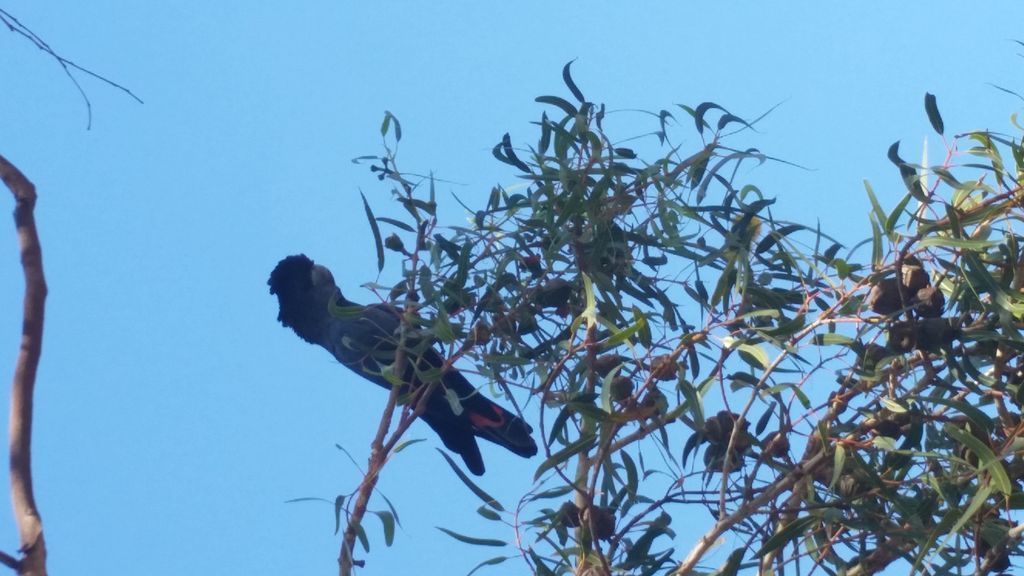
(14, 25)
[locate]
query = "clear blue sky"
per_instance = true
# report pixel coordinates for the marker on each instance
(174, 415)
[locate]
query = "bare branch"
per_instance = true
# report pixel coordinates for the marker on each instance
(9, 561)
(30, 524)
(14, 25)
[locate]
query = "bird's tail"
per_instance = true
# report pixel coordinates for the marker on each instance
(494, 423)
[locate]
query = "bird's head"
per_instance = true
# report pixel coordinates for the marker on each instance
(304, 292)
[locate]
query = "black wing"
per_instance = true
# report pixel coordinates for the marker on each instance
(365, 340)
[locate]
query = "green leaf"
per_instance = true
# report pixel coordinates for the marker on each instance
(976, 503)
(504, 153)
(787, 328)
(551, 494)
(338, 503)
(640, 553)
(1015, 501)
(728, 118)
(838, 461)
(884, 443)
(753, 355)
(832, 338)
(691, 444)
(775, 236)
(539, 567)
(488, 513)
(388, 119)
(406, 443)
(442, 327)
(893, 405)
(927, 549)
(986, 457)
(626, 333)
(980, 277)
(562, 103)
(909, 175)
(590, 312)
(306, 499)
(876, 208)
(762, 422)
(545, 134)
(487, 498)
(567, 77)
(453, 401)
(732, 564)
(606, 389)
(491, 562)
(876, 246)
(471, 539)
(564, 454)
(388, 521)
(693, 401)
(376, 233)
(789, 532)
(894, 216)
(932, 109)
(632, 478)
(361, 535)
(701, 110)
(391, 507)
(462, 272)
(966, 243)
(396, 223)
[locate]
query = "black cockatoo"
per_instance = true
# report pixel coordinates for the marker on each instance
(365, 339)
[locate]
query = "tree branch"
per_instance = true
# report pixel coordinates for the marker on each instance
(14, 25)
(688, 565)
(379, 450)
(30, 524)
(378, 455)
(9, 561)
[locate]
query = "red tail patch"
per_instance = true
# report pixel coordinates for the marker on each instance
(481, 421)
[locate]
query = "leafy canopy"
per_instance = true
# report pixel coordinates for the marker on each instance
(687, 355)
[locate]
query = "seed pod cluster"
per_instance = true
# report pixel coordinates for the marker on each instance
(603, 522)
(554, 294)
(569, 515)
(663, 368)
(918, 294)
(718, 430)
(777, 445)
(602, 519)
(532, 263)
(926, 334)
(621, 389)
(926, 330)
(717, 433)
(604, 364)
